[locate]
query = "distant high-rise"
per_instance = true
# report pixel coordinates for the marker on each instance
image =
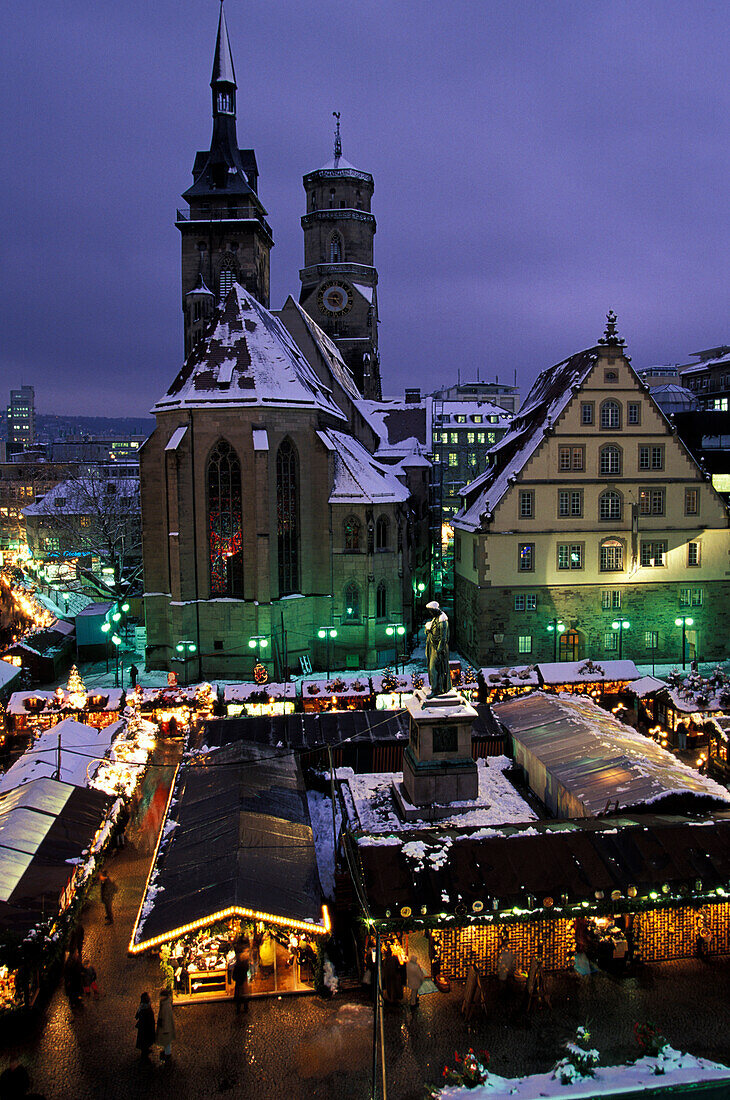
(21, 418)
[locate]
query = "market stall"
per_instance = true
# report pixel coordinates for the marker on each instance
(259, 699)
(391, 690)
(336, 694)
(32, 712)
(594, 678)
(173, 707)
(505, 683)
(235, 867)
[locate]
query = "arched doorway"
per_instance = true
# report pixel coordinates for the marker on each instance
(569, 645)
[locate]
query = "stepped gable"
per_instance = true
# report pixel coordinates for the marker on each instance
(247, 358)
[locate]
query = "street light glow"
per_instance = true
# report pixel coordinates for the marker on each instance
(687, 622)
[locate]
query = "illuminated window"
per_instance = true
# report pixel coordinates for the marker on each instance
(481, 437)
(526, 557)
(470, 437)
(651, 554)
(690, 597)
(691, 502)
(610, 460)
(651, 502)
(453, 458)
(460, 419)
(524, 643)
(477, 419)
(612, 556)
(610, 415)
(287, 516)
(609, 505)
(611, 599)
(352, 602)
(225, 539)
(570, 555)
(453, 438)
(610, 639)
(693, 553)
(352, 534)
(651, 639)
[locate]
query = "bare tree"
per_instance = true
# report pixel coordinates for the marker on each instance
(95, 517)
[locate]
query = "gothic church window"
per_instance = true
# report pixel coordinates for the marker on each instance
(226, 278)
(336, 249)
(352, 534)
(225, 528)
(352, 602)
(381, 533)
(381, 601)
(287, 517)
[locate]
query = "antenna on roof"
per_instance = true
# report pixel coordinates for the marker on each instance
(338, 141)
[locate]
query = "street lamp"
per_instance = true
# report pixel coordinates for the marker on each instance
(684, 622)
(396, 631)
(117, 642)
(105, 628)
(555, 627)
(327, 632)
(186, 648)
(620, 625)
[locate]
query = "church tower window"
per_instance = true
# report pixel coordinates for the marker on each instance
(226, 278)
(381, 533)
(332, 197)
(287, 511)
(336, 249)
(381, 601)
(352, 534)
(225, 527)
(352, 603)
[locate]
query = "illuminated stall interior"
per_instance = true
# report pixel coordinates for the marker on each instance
(35, 711)
(235, 866)
(256, 700)
(336, 694)
(174, 706)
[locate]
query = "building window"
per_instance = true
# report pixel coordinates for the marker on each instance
(651, 458)
(610, 460)
(470, 437)
(381, 601)
(381, 533)
(336, 249)
(691, 502)
(352, 603)
(454, 438)
(611, 599)
(332, 197)
(609, 505)
(226, 278)
(610, 376)
(570, 502)
(610, 415)
(651, 502)
(570, 458)
(570, 555)
(526, 601)
(287, 516)
(586, 412)
(526, 557)
(633, 412)
(453, 458)
(651, 639)
(225, 527)
(610, 639)
(612, 556)
(690, 597)
(352, 534)
(526, 503)
(524, 643)
(457, 547)
(460, 419)
(693, 553)
(651, 554)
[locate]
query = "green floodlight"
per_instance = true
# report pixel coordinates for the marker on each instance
(116, 639)
(251, 643)
(192, 647)
(264, 642)
(179, 647)
(106, 627)
(333, 633)
(421, 586)
(320, 634)
(350, 611)
(389, 630)
(687, 622)
(125, 607)
(622, 624)
(116, 616)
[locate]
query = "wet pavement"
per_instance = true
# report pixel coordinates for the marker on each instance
(304, 1047)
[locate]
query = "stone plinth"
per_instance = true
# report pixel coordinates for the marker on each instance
(438, 767)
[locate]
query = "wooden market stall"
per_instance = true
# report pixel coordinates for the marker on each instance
(44, 654)
(595, 678)
(259, 699)
(235, 867)
(174, 706)
(32, 712)
(505, 683)
(336, 694)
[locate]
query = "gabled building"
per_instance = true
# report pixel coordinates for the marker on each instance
(593, 514)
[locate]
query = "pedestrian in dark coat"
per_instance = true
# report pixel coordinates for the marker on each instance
(72, 978)
(240, 977)
(133, 674)
(108, 889)
(145, 1024)
(165, 1025)
(76, 939)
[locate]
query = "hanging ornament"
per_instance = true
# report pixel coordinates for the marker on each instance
(260, 673)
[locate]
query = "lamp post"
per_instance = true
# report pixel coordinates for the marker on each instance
(186, 648)
(396, 631)
(620, 625)
(117, 642)
(328, 632)
(259, 642)
(555, 627)
(105, 628)
(684, 622)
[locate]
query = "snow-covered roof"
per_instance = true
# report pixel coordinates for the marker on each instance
(8, 673)
(470, 409)
(74, 603)
(586, 672)
(542, 407)
(358, 477)
(647, 685)
(247, 358)
(512, 676)
(82, 495)
(706, 364)
(241, 693)
(82, 749)
(324, 689)
(330, 353)
(110, 699)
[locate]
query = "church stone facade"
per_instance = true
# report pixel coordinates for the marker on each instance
(266, 515)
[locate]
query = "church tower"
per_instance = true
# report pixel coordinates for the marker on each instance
(225, 235)
(339, 281)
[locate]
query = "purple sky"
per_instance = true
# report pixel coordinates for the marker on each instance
(535, 164)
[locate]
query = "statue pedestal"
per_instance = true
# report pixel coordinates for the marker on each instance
(438, 768)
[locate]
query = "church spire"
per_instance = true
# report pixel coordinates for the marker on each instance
(338, 140)
(223, 79)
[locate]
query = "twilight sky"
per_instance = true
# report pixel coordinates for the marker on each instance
(535, 163)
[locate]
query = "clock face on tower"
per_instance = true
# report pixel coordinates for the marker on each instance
(335, 298)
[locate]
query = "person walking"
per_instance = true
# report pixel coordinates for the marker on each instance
(165, 1025)
(414, 979)
(108, 888)
(72, 979)
(133, 674)
(240, 978)
(145, 1024)
(88, 975)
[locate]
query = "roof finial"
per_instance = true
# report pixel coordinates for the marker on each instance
(338, 142)
(610, 336)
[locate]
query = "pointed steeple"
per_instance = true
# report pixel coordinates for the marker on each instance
(223, 71)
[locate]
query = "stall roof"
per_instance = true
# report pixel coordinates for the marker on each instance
(587, 672)
(458, 873)
(81, 750)
(110, 700)
(512, 676)
(597, 759)
(8, 673)
(45, 826)
(237, 839)
(241, 693)
(647, 685)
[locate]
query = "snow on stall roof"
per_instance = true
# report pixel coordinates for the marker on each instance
(82, 748)
(247, 358)
(111, 700)
(337, 686)
(647, 685)
(498, 802)
(542, 407)
(519, 675)
(360, 477)
(8, 673)
(579, 672)
(240, 693)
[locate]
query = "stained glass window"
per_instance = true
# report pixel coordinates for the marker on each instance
(352, 534)
(225, 544)
(287, 517)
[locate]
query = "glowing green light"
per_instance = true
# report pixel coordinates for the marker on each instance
(252, 643)
(264, 643)
(389, 630)
(125, 607)
(320, 634)
(106, 627)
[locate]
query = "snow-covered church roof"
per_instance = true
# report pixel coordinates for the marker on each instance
(359, 478)
(330, 353)
(247, 357)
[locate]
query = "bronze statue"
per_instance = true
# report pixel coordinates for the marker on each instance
(437, 651)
